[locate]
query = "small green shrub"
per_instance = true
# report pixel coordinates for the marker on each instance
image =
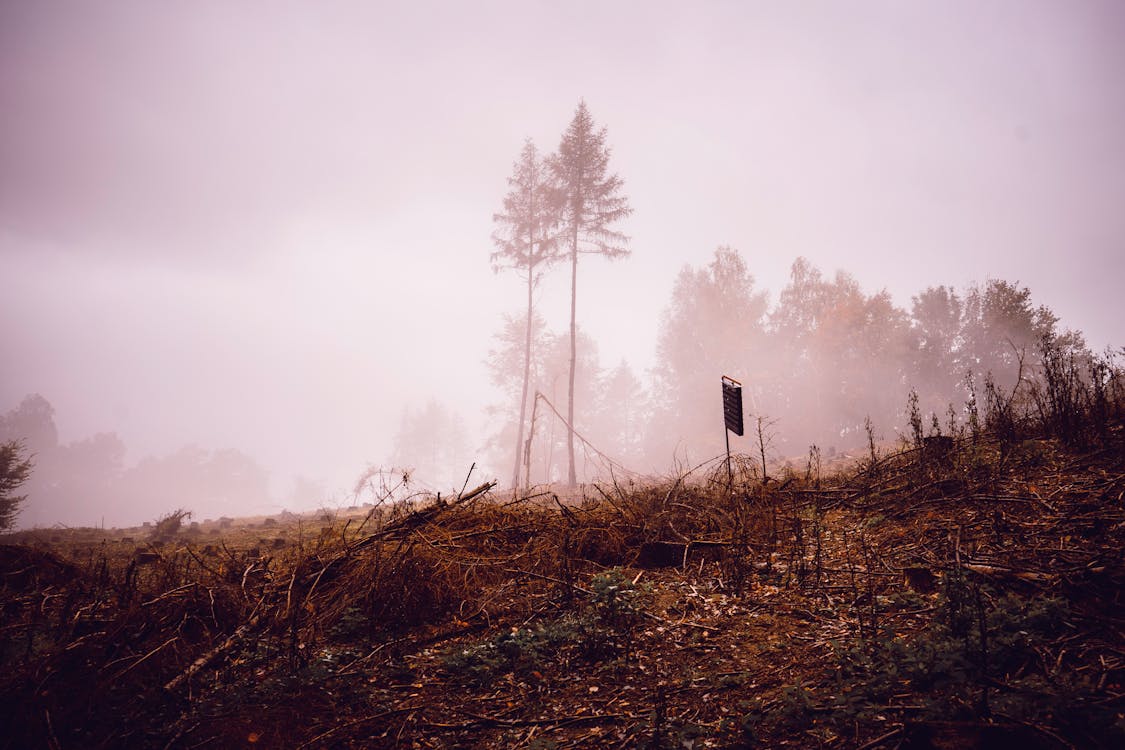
(982, 656)
(517, 651)
(612, 614)
(603, 627)
(15, 470)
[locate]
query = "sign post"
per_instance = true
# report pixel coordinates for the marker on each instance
(732, 415)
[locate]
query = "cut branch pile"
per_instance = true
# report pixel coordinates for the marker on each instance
(679, 613)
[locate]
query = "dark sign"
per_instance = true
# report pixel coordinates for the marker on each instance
(732, 404)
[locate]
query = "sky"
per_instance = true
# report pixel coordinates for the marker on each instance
(266, 225)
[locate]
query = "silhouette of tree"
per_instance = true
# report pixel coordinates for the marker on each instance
(432, 443)
(712, 327)
(525, 242)
(33, 422)
(15, 470)
(591, 204)
(936, 321)
(206, 482)
(506, 361)
(621, 415)
(83, 474)
(999, 327)
(841, 355)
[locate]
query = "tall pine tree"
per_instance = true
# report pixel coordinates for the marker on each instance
(525, 242)
(591, 203)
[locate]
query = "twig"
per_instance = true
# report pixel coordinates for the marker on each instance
(466, 483)
(143, 659)
(354, 722)
(491, 721)
(893, 734)
(547, 578)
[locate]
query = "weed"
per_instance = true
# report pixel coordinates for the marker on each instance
(519, 650)
(604, 626)
(614, 611)
(982, 656)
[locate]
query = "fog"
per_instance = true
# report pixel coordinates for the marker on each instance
(250, 241)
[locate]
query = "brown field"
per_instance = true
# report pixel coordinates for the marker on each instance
(965, 594)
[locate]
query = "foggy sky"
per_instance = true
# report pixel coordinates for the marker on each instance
(267, 225)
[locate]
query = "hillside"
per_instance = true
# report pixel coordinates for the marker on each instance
(959, 593)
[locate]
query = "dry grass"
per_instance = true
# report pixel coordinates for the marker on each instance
(344, 633)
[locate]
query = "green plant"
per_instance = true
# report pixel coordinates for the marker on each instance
(604, 626)
(983, 656)
(613, 612)
(518, 650)
(974, 639)
(15, 470)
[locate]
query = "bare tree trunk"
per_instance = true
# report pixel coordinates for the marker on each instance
(572, 478)
(526, 379)
(527, 445)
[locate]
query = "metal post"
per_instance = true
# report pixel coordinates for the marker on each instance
(730, 474)
(732, 419)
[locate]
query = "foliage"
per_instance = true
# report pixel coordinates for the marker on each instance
(604, 626)
(591, 205)
(613, 612)
(1000, 328)
(15, 470)
(1076, 396)
(714, 320)
(524, 237)
(32, 422)
(518, 650)
(979, 657)
(525, 242)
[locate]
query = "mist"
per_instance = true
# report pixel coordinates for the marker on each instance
(245, 248)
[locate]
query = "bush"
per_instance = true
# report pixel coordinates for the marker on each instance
(605, 626)
(169, 526)
(520, 650)
(983, 656)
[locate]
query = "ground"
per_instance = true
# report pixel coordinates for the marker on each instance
(965, 596)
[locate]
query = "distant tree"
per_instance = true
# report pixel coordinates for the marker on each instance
(936, 321)
(432, 443)
(1001, 328)
(621, 416)
(209, 482)
(33, 422)
(551, 437)
(841, 355)
(546, 437)
(713, 326)
(81, 476)
(591, 204)
(797, 388)
(862, 345)
(801, 304)
(15, 470)
(517, 377)
(525, 242)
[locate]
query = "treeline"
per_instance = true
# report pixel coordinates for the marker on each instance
(818, 366)
(827, 363)
(87, 480)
